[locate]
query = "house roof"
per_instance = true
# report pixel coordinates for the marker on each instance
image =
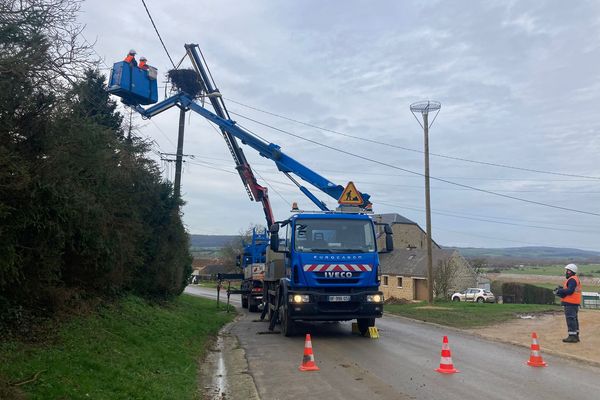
(410, 262)
(394, 218)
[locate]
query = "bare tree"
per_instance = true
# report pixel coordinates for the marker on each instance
(57, 48)
(479, 265)
(444, 274)
(235, 248)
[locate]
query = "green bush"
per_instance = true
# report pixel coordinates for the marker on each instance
(84, 212)
(526, 294)
(496, 288)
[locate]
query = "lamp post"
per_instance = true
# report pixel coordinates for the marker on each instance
(424, 108)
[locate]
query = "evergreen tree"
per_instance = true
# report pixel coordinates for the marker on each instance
(92, 101)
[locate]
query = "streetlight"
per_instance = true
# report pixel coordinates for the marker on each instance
(425, 107)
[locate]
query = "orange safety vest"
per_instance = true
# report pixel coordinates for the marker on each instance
(129, 58)
(143, 65)
(575, 297)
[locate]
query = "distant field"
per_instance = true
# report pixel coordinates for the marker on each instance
(555, 270)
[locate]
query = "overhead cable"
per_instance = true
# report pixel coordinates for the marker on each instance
(539, 203)
(410, 149)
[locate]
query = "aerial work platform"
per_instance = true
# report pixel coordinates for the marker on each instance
(132, 84)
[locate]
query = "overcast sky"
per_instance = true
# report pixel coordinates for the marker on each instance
(518, 82)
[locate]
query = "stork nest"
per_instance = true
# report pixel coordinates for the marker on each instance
(185, 80)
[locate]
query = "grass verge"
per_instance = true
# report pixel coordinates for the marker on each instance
(466, 315)
(133, 350)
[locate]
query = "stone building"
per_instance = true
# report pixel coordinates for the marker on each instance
(407, 234)
(404, 272)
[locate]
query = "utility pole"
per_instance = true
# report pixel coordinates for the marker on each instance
(179, 155)
(424, 107)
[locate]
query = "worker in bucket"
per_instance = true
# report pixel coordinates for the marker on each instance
(570, 294)
(131, 57)
(143, 63)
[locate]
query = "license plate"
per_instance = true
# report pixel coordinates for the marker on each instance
(339, 298)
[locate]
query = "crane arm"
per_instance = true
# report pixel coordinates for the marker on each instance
(255, 191)
(284, 163)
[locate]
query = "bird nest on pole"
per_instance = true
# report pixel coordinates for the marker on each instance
(185, 80)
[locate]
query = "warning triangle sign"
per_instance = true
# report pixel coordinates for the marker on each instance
(350, 196)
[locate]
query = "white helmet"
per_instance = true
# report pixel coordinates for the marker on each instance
(143, 59)
(132, 51)
(572, 268)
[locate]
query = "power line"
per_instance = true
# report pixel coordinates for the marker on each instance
(162, 133)
(451, 214)
(271, 187)
(445, 177)
(410, 149)
(485, 219)
(158, 34)
(539, 203)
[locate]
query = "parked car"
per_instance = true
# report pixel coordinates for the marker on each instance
(475, 294)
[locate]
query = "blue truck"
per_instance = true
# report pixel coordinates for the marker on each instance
(321, 265)
(252, 261)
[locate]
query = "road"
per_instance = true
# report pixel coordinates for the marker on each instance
(400, 365)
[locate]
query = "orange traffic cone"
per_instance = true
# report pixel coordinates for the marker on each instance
(535, 359)
(446, 366)
(308, 361)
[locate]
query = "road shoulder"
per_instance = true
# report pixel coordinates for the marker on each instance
(224, 372)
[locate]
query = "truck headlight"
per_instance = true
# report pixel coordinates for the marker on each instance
(299, 298)
(374, 298)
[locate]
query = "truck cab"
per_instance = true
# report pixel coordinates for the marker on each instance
(331, 269)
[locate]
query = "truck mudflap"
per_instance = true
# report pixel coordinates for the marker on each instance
(319, 306)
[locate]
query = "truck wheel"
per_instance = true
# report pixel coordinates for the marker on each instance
(364, 324)
(456, 299)
(244, 302)
(480, 300)
(252, 307)
(288, 327)
(265, 311)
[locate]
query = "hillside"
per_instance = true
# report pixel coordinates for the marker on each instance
(508, 254)
(211, 241)
(531, 253)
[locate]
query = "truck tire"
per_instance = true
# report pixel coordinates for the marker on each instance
(244, 302)
(252, 307)
(480, 300)
(288, 327)
(456, 298)
(265, 311)
(364, 324)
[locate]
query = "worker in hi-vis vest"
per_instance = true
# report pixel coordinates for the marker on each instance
(570, 294)
(131, 58)
(143, 63)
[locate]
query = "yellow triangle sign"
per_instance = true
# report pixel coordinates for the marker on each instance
(350, 196)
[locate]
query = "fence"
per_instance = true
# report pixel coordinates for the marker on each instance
(590, 300)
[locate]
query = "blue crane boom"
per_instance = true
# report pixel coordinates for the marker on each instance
(285, 163)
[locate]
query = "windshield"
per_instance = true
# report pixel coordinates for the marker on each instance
(334, 236)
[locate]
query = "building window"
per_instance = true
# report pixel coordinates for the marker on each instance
(399, 281)
(385, 280)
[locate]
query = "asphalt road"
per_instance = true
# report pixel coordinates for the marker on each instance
(400, 365)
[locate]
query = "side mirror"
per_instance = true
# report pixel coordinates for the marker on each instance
(389, 242)
(274, 231)
(389, 237)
